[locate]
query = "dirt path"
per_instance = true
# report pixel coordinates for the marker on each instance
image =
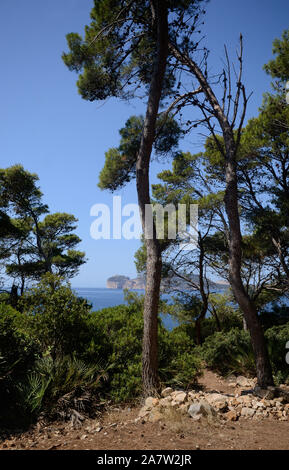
(118, 430)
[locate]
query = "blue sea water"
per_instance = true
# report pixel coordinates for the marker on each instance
(101, 298)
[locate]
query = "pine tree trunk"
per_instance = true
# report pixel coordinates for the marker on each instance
(263, 366)
(204, 296)
(153, 276)
(150, 315)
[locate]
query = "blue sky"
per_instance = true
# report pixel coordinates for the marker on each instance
(47, 127)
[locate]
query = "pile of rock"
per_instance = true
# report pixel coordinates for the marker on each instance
(198, 404)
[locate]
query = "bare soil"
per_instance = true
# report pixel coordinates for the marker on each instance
(117, 430)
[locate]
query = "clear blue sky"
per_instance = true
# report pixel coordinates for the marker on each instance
(47, 127)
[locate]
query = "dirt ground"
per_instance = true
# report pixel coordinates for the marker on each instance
(117, 430)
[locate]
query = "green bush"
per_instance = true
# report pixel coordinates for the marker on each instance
(18, 352)
(62, 388)
(277, 338)
(55, 317)
(116, 335)
(277, 316)
(229, 352)
(179, 360)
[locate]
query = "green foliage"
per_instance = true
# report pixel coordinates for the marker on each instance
(17, 348)
(277, 338)
(18, 352)
(229, 352)
(279, 66)
(18, 188)
(61, 387)
(119, 167)
(274, 313)
(140, 258)
(55, 316)
(60, 359)
(180, 361)
(33, 242)
(115, 55)
(116, 334)
(223, 307)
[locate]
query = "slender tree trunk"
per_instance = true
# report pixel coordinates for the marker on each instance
(199, 322)
(263, 366)
(14, 296)
(42, 254)
(150, 313)
(203, 294)
(245, 326)
(219, 328)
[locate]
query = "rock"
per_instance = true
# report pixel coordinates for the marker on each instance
(247, 412)
(151, 401)
(176, 392)
(191, 395)
(284, 394)
(184, 408)
(180, 397)
(244, 382)
(218, 400)
(266, 393)
(144, 411)
(201, 409)
(166, 392)
(155, 415)
(231, 378)
(231, 415)
(165, 402)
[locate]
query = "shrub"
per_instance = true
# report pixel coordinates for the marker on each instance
(56, 317)
(63, 388)
(277, 316)
(180, 361)
(18, 352)
(229, 352)
(277, 338)
(116, 334)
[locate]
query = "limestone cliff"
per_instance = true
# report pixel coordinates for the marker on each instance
(123, 282)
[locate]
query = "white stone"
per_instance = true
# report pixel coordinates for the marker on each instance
(203, 408)
(166, 392)
(151, 401)
(248, 412)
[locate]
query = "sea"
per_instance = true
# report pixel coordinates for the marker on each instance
(101, 298)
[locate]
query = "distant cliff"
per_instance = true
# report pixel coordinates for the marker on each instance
(123, 282)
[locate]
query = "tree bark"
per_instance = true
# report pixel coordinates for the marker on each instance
(203, 293)
(153, 276)
(219, 328)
